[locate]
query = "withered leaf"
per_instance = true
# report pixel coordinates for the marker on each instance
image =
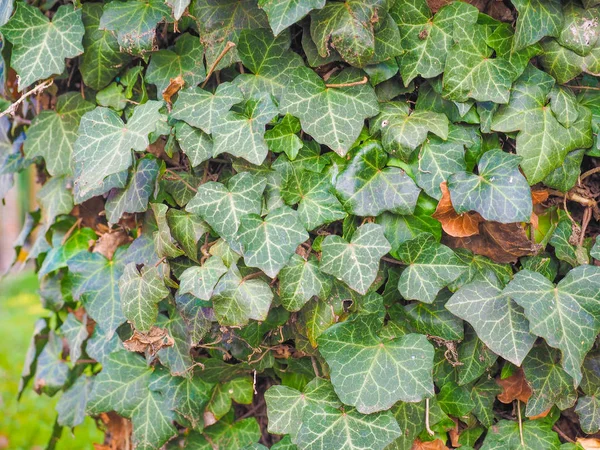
(149, 343)
(456, 225)
(108, 243)
(514, 388)
(175, 84)
(437, 444)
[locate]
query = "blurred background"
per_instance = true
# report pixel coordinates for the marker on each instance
(26, 424)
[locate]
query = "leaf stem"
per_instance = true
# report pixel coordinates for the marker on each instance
(252, 275)
(36, 90)
(589, 172)
(427, 427)
(392, 260)
(520, 422)
(176, 175)
(353, 83)
(573, 197)
(213, 66)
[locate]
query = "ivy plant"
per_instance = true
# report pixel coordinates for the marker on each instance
(311, 225)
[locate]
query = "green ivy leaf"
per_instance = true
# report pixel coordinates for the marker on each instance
(222, 207)
(283, 137)
(95, 283)
(237, 300)
(333, 116)
(542, 141)
(40, 46)
(178, 7)
(200, 281)
(537, 19)
(241, 133)
(134, 197)
(102, 59)
(152, 422)
(134, 23)
(300, 280)
(176, 358)
(427, 40)
(104, 144)
(581, 30)
(185, 60)
(284, 13)
(402, 131)
(164, 244)
(497, 320)
(75, 333)
(227, 434)
(55, 198)
(52, 371)
(434, 319)
(431, 267)
(566, 315)
(53, 133)
(367, 187)
(506, 436)
(550, 384)
(399, 229)
(455, 400)
(269, 243)
(483, 395)
(371, 373)
(565, 176)
(475, 357)
(499, 192)
(195, 143)
(187, 230)
(140, 293)
(72, 404)
(61, 252)
(355, 262)
(588, 410)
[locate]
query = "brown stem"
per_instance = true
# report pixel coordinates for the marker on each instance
(589, 172)
(36, 90)
(562, 434)
(585, 221)
(573, 197)
(252, 275)
(392, 260)
(588, 88)
(354, 83)
(213, 66)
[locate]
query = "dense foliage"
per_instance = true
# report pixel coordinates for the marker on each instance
(366, 224)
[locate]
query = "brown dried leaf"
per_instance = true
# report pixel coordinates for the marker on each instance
(589, 443)
(173, 88)
(514, 388)
(539, 195)
(437, 444)
(149, 343)
(118, 432)
(108, 243)
(501, 242)
(494, 8)
(457, 225)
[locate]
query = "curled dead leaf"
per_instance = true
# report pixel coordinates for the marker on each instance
(514, 388)
(456, 225)
(437, 444)
(501, 242)
(118, 432)
(108, 243)
(589, 443)
(175, 84)
(149, 343)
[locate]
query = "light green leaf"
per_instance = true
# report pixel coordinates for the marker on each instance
(201, 109)
(355, 262)
(195, 143)
(40, 46)
(324, 427)
(75, 332)
(164, 243)
(581, 29)
(283, 137)
(434, 319)
(72, 404)
(367, 187)
(134, 23)
(134, 197)
(270, 60)
(565, 315)
(550, 384)
(177, 357)
(484, 395)
(95, 283)
(371, 373)
(104, 144)
(348, 28)
(403, 131)
(472, 73)
(505, 435)
(398, 229)
(455, 400)
(565, 176)
(475, 357)
(269, 243)
(284, 13)
(201, 280)
(61, 252)
(543, 142)
(499, 192)
(152, 422)
(223, 207)
(102, 59)
(227, 434)
(561, 240)
(220, 22)
(53, 133)
(431, 267)
(300, 280)
(286, 406)
(333, 116)
(564, 64)
(497, 320)
(55, 198)
(186, 229)
(427, 40)
(537, 19)
(140, 293)
(52, 371)
(241, 132)
(236, 300)
(185, 60)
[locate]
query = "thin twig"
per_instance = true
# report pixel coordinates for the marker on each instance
(588, 88)
(585, 221)
(573, 197)
(160, 261)
(313, 360)
(213, 66)
(520, 422)
(176, 175)
(252, 275)
(562, 434)
(427, 427)
(393, 261)
(70, 231)
(36, 90)
(354, 83)
(588, 173)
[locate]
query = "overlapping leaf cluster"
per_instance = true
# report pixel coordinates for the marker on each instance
(239, 209)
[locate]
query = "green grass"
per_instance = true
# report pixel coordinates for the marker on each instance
(27, 424)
